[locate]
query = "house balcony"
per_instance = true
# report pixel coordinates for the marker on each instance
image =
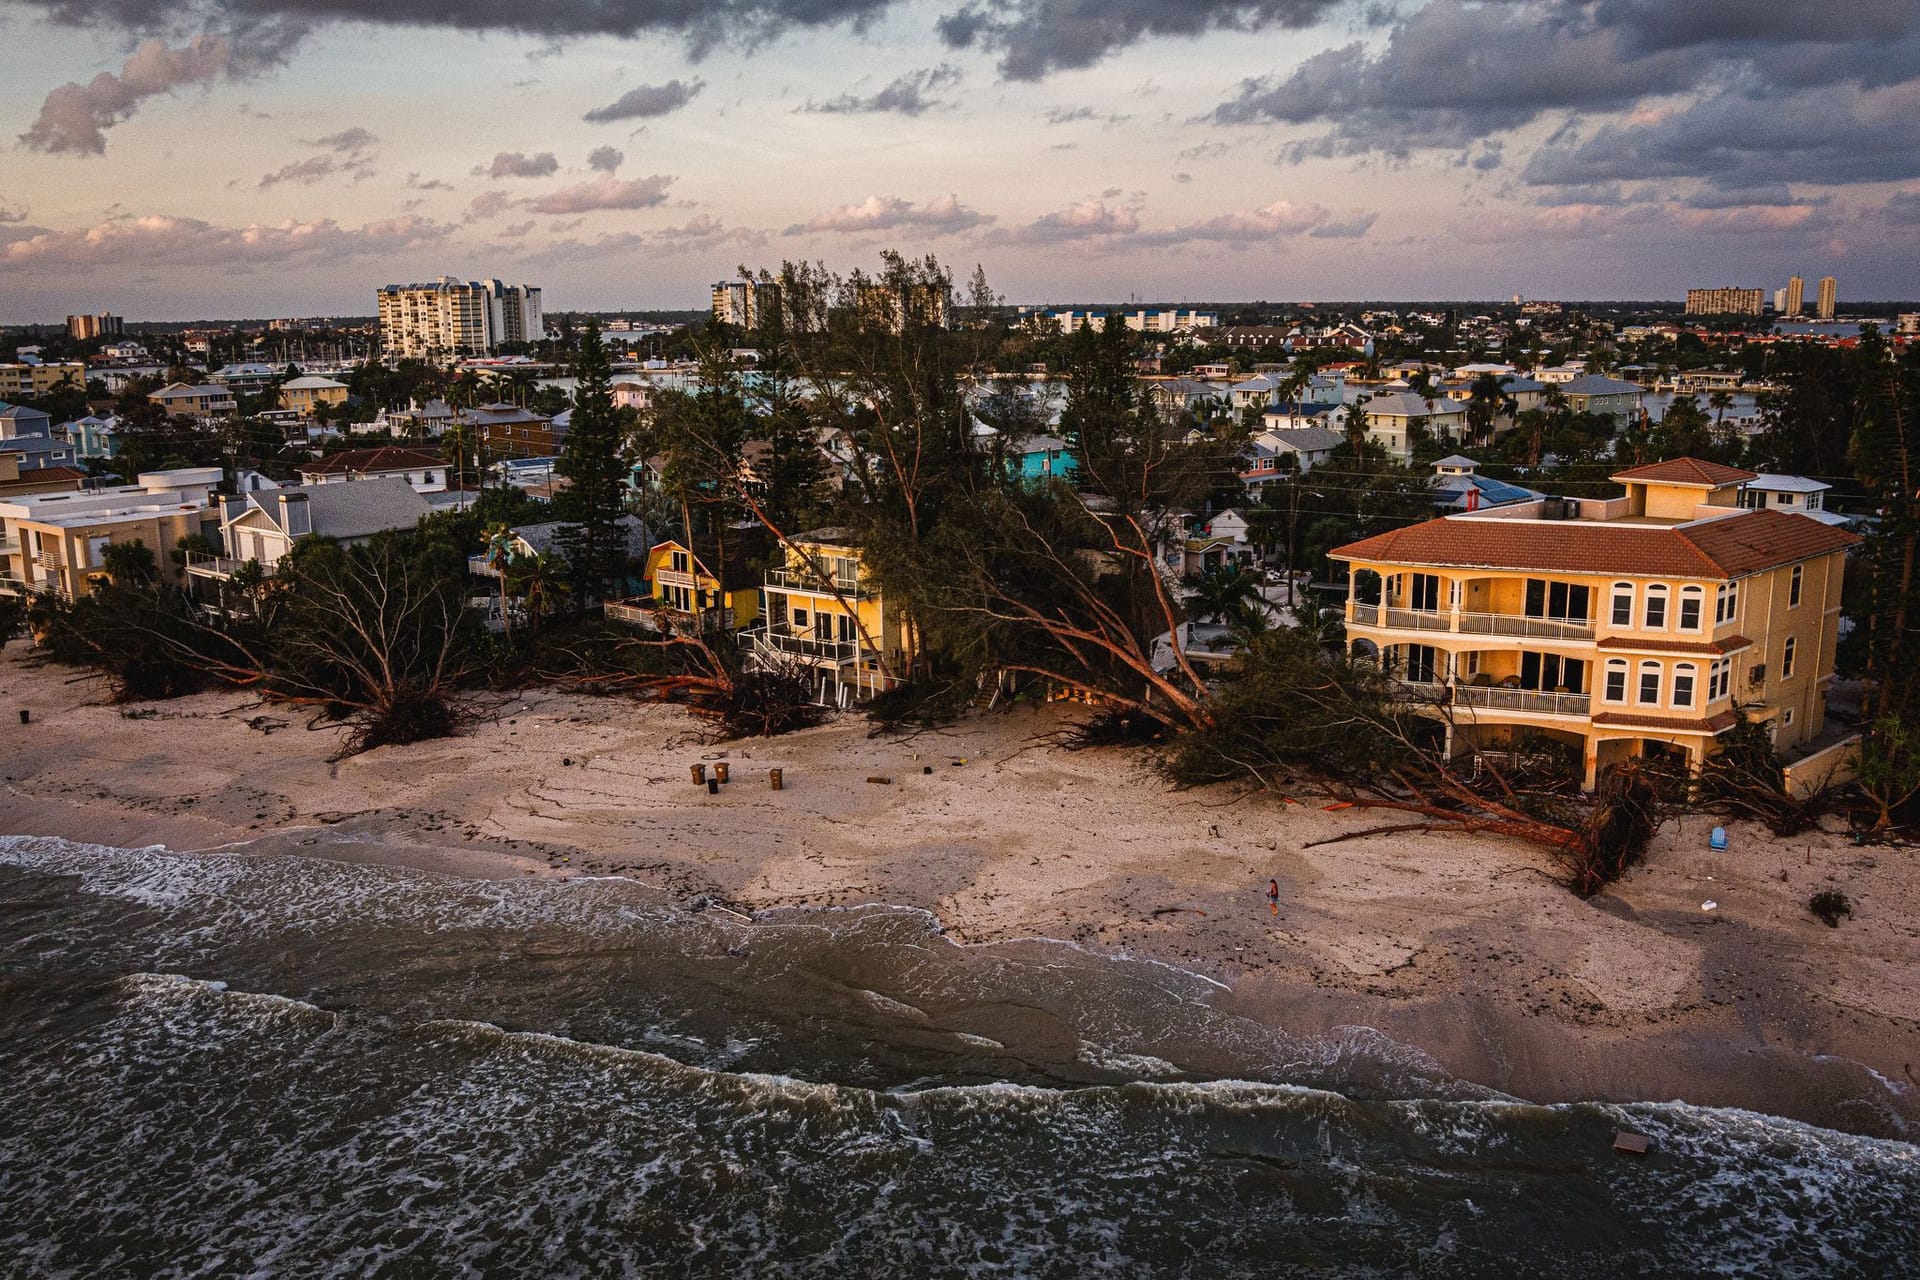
(787, 643)
(1495, 697)
(819, 584)
(646, 613)
(219, 568)
(1519, 626)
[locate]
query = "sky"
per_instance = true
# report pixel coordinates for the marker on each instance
(173, 159)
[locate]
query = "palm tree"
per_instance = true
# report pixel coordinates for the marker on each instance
(1721, 402)
(1218, 593)
(500, 560)
(541, 583)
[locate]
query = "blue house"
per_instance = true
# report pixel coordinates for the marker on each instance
(1039, 458)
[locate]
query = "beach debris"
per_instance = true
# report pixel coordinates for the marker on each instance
(775, 779)
(720, 770)
(566, 761)
(1175, 911)
(713, 786)
(879, 779)
(1343, 804)
(699, 772)
(1630, 1142)
(1709, 905)
(1717, 840)
(926, 768)
(1830, 905)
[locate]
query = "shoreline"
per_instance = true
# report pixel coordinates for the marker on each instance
(1458, 946)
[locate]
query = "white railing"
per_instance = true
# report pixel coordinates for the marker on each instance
(1483, 624)
(1493, 698)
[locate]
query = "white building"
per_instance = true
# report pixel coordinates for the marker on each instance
(449, 319)
(1171, 321)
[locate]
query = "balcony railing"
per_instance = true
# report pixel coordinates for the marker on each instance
(819, 584)
(809, 646)
(1494, 698)
(1483, 624)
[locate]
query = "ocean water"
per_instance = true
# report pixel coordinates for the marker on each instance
(234, 1065)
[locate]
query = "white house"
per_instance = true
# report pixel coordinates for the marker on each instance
(265, 525)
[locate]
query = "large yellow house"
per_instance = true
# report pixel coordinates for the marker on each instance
(1646, 624)
(696, 589)
(823, 610)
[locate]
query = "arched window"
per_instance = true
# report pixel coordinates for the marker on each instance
(1655, 618)
(1692, 602)
(1683, 677)
(1649, 683)
(1616, 689)
(1623, 604)
(1786, 659)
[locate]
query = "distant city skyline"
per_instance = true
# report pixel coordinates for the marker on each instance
(288, 157)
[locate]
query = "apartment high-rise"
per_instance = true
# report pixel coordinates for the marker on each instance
(451, 319)
(1829, 289)
(1796, 297)
(1724, 301)
(103, 325)
(745, 303)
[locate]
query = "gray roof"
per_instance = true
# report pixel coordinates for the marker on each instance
(1787, 484)
(1307, 439)
(1598, 384)
(21, 413)
(545, 536)
(1405, 404)
(1036, 444)
(1455, 460)
(354, 510)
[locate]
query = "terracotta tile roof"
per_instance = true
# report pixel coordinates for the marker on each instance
(1723, 548)
(1623, 720)
(1686, 471)
(49, 474)
(1732, 644)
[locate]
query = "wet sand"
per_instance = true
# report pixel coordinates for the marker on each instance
(1461, 946)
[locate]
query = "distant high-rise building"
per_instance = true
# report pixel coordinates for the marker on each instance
(1796, 297)
(1724, 301)
(103, 325)
(745, 303)
(451, 319)
(1907, 322)
(1779, 302)
(1829, 288)
(903, 307)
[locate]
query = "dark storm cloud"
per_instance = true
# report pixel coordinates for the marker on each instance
(1038, 37)
(1453, 73)
(644, 102)
(907, 95)
(705, 25)
(1751, 139)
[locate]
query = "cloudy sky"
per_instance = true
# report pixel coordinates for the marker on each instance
(184, 158)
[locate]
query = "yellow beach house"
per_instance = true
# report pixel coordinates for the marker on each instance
(1644, 624)
(693, 591)
(824, 610)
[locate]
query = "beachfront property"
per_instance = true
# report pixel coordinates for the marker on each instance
(263, 527)
(56, 541)
(1641, 625)
(696, 588)
(822, 609)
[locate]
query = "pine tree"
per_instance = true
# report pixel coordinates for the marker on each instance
(595, 463)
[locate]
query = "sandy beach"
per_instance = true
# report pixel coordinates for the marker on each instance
(1461, 947)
